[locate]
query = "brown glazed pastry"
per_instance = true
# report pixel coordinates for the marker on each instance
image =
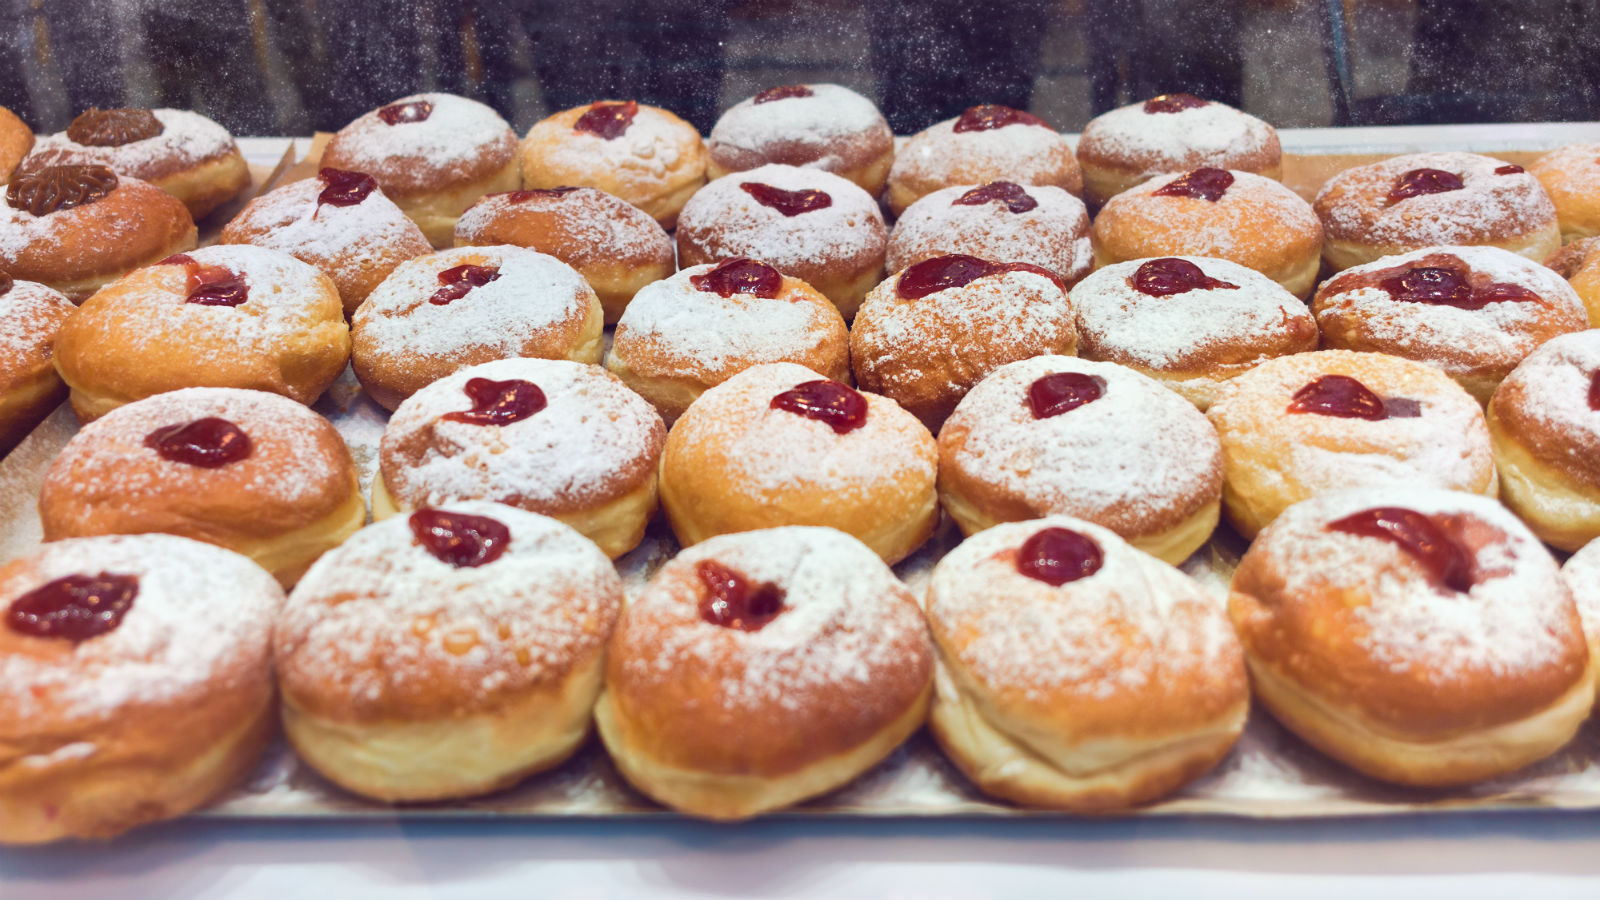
(821, 126)
(1571, 176)
(16, 139)
(30, 389)
(616, 246)
(76, 229)
(1001, 221)
(985, 143)
(181, 152)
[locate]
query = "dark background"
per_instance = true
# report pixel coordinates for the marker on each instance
(295, 66)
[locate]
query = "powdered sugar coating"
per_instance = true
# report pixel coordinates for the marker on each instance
(1256, 222)
(596, 228)
(594, 441)
(1054, 234)
(174, 642)
(834, 129)
(350, 637)
(1353, 205)
(461, 141)
(187, 139)
(1571, 175)
(940, 156)
(723, 220)
(1144, 144)
(654, 146)
(1543, 405)
(1582, 576)
(30, 315)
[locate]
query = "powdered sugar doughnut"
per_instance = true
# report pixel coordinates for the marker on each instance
(1423, 637)
(251, 471)
(930, 332)
(1243, 218)
(30, 316)
(138, 672)
(1076, 672)
(1172, 133)
(762, 668)
(1571, 176)
(1188, 322)
(1582, 576)
(778, 444)
(433, 155)
(181, 152)
(643, 154)
(985, 143)
(340, 222)
(824, 126)
(456, 308)
(1312, 423)
(1000, 221)
(1428, 199)
(807, 223)
(561, 438)
(446, 653)
(707, 324)
(1473, 311)
(1055, 435)
(616, 246)
(223, 316)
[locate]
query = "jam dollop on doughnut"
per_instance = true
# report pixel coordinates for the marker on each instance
(1204, 183)
(342, 188)
(459, 280)
(1451, 286)
(944, 272)
(1430, 543)
(526, 194)
(739, 275)
(210, 285)
(839, 407)
(790, 203)
(731, 601)
(989, 116)
(51, 189)
(782, 93)
(499, 403)
(1344, 397)
(608, 121)
(208, 443)
(1062, 392)
(74, 608)
(1510, 169)
(1594, 391)
(460, 539)
(1169, 275)
(1417, 182)
(401, 113)
(1006, 193)
(113, 127)
(1171, 103)
(1057, 556)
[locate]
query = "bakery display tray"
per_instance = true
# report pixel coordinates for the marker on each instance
(1269, 773)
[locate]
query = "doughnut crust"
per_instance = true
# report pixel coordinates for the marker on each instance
(723, 723)
(150, 720)
(140, 336)
(1257, 223)
(676, 341)
(294, 496)
(656, 163)
(30, 389)
(1354, 646)
(1571, 176)
(1273, 458)
(1129, 145)
(616, 246)
(940, 157)
(1054, 234)
(831, 128)
(1581, 572)
(16, 139)
(1496, 207)
(1092, 696)
(406, 678)
(1579, 263)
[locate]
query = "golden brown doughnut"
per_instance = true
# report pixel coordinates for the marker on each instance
(16, 139)
(985, 143)
(1579, 263)
(759, 669)
(1420, 636)
(1000, 220)
(30, 389)
(1571, 176)
(1581, 572)
(823, 126)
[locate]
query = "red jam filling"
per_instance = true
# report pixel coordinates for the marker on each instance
(1594, 391)
(1062, 392)
(1057, 556)
(731, 601)
(1009, 195)
(990, 116)
(341, 188)
(1169, 275)
(790, 203)
(75, 608)
(1510, 169)
(1448, 563)
(1450, 286)
(6, 283)
(1417, 182)
(942, 273)
(1171, 103)
(523, 196)
(1346, 398)
(782, 93)
(739, 276)
(459, 539)
(400, 113)
(207, 443)
(1201, 184)
(829, 402)
(499, 403)
(459, 280)
(608, 121)
(210, 285)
